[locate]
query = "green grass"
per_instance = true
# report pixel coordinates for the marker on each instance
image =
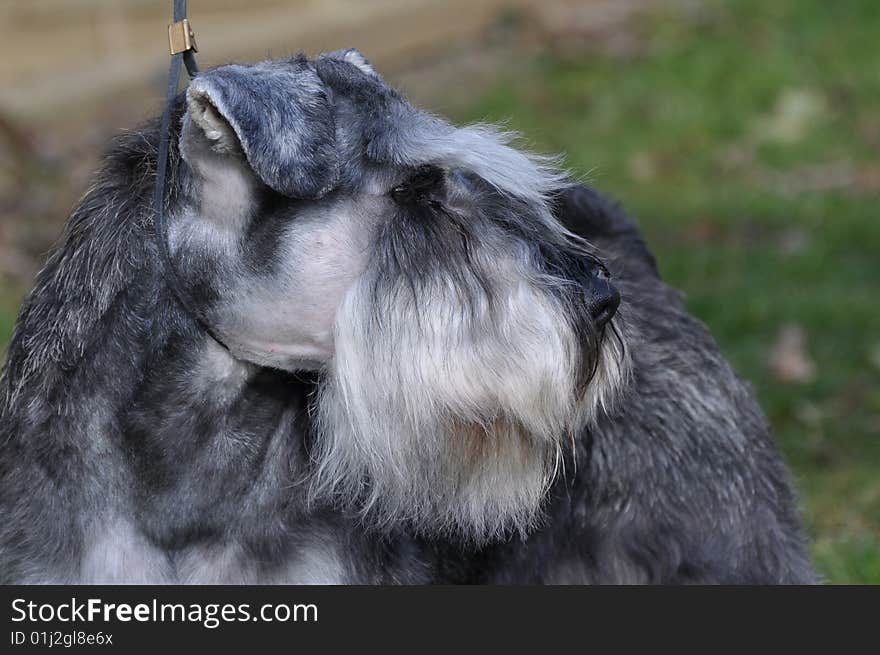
(9, 301)
(746, 139)
(722, 133)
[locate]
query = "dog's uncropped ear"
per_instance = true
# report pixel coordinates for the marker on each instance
(277, 115)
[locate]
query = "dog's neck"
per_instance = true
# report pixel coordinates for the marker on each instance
(219, 435)
(156, 419)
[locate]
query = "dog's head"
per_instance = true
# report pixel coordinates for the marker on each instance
(462, 335)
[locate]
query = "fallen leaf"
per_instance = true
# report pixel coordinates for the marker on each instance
(789, 360)
(874, 356)
(642, 167)
(793, 116)
(794, 241)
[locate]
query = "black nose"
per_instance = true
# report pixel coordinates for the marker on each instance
(604, 298)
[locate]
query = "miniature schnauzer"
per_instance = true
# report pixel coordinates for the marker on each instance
(408, 353)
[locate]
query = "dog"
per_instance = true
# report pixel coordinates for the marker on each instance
(383, 349)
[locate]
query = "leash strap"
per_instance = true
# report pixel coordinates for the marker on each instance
(183, 46)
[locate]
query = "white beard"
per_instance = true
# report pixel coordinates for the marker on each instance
(452, 421)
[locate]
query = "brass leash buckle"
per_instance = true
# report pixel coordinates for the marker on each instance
(181, 37)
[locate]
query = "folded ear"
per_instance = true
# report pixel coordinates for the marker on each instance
(277, 114)
(354, 57)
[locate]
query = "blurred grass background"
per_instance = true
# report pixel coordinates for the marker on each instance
(745, 137)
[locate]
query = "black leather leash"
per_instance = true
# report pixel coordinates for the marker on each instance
(182, 44)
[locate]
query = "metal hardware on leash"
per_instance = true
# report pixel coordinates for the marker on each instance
(181, 37)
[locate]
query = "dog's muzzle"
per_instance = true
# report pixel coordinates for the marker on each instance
(602, 296)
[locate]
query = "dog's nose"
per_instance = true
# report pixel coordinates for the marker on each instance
(604, 298)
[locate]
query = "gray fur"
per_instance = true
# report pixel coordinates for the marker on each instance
(425, 378)
(282, 118)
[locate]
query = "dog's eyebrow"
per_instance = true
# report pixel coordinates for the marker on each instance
(485, 151)
(419, 138)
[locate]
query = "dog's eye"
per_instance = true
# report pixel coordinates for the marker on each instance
(602, 272)
(424, 180)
